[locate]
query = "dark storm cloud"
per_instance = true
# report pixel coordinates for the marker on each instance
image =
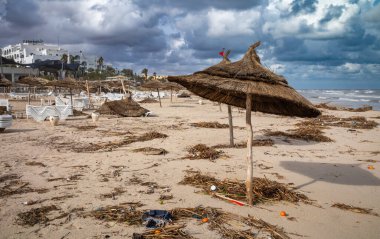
(196, 5)
(303, 6)
(183, 36)
(22, 14)
(333, 13)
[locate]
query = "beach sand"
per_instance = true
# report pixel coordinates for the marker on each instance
(327, 172)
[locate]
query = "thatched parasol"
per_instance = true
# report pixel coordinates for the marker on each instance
(154, 85)
(69, 83)
(125, 107)
(4, 82)
(242, 82)
(32, 81)
(171, 86)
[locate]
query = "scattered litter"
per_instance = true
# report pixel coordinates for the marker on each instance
(371, 167)
(283, 214)
(360, 109)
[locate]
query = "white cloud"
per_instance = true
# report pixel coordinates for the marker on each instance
(230, 23)
(350, 68)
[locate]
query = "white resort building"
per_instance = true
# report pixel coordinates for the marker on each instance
(31, 51)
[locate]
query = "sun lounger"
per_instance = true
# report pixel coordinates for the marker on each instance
(5, 122)
(40, 113)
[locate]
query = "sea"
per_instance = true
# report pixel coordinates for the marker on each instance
(346, 98)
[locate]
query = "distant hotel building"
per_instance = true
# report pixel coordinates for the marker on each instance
(30, 51)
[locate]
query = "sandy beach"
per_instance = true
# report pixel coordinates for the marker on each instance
(50, 169)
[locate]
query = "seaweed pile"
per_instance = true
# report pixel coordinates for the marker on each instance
(307, 133)
(329, 107)
(265, 190)
(355, 122)
(242, 144)
(151, 151)
(202, 151)
(355, 209)
(148, 100)
(11, 185)
(213, 125)
(36, 215)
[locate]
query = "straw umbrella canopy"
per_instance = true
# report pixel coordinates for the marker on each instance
(4, 82)
(154, 85)
(32, 82)
(171, 86)
(243, 82)
(69, 83)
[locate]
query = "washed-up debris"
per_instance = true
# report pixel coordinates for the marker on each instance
(114, 133)
(8, 177)
(114, 193)
(354, 122)
(75, 177)
(60, 198)
(226, 223)
(264, 189)
(213, 125)
(242, 144)
(151, 151)
(369, 160)
(202, 151)
(122, 214)
(34, 163)
(80, 113)
(148, 100)
(19, 187)
(355, 209)
(329, 107)
(307, 133)
(36, 215)
(172, 231)
(166, 197)
(107, 146)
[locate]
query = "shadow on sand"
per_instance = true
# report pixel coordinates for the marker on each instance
(347, 174)
(10, 131)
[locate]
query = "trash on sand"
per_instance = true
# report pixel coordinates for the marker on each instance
(213, 188)
(156, 218)
(371, 167)
(283, 214)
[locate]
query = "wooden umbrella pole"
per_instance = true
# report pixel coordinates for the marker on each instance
(249, 179)
(88, 92)
(71, 98)
(230, 125)
(29, 95)
(122, 83)
(159, 98)
(220, 107)
(171, 94)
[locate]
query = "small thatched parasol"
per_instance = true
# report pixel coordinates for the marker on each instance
(154, 85)
(4, 82)
(125, 107)
(171, 86)
(242, 82)
(32, 81)
(69, 83)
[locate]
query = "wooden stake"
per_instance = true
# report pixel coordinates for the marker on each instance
(220, 107)
(171, 94)
(71, 98)
(88, 93)
(159, 98)
(122, 83)
(230, 125)
(29, 95)
(249, 179)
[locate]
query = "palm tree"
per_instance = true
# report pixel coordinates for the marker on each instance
(145, 73)
(64, 58)
(100, 63)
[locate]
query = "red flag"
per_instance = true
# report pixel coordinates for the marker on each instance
(221, 53)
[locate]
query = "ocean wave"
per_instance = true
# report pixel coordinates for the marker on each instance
(353, 100)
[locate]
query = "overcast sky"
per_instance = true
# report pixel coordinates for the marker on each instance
(314, 44)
